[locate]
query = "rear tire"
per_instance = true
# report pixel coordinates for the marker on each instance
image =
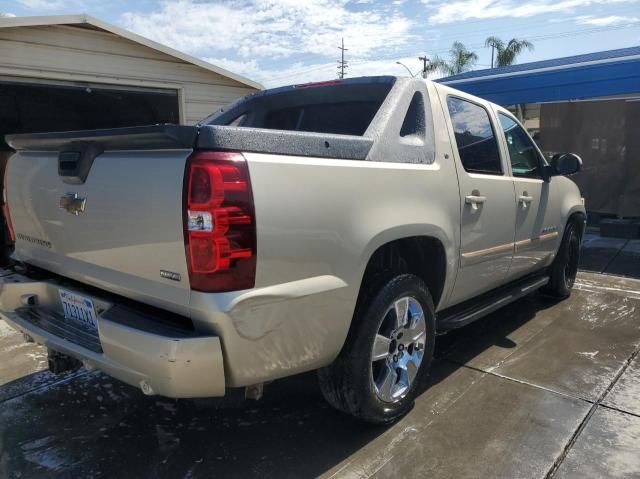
(388, 352)
(562, 273)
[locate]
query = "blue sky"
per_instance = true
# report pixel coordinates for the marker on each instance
(290, 41)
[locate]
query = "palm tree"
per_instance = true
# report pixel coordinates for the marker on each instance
(506, 54)
(460, 61)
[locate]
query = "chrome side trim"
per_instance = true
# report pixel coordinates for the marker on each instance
(475, 257)
(478, 256)
(522, 244)
(488, 251)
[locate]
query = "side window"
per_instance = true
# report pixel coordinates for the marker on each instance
(475, 138)
(525, 160)
(413, 125)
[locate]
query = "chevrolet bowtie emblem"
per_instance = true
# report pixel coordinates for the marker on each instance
(72, 204)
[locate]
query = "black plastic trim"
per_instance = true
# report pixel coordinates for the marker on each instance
(147, 321)
(75, 160)
(281, 142)
(57, 325)
(380, 142)
(164, 320)
(154, 137)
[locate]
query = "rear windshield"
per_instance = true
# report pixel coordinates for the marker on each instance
(342, 109)
(347, 118)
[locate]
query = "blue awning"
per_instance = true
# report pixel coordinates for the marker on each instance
(598, 74)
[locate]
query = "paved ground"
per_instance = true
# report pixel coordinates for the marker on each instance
(539, 389)
(616, 256)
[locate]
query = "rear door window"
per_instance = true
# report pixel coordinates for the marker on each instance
(475, 138)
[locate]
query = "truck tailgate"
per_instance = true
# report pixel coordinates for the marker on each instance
(128, 232)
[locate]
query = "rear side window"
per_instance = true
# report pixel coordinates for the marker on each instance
(413, 125)
(475, 137)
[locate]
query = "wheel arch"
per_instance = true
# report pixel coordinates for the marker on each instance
(422, 255)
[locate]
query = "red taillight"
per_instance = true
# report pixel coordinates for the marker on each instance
(219, 222)
(5, 204)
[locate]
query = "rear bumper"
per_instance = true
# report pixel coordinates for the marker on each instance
(158, 360)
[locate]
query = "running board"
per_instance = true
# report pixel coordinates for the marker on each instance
(467, 312)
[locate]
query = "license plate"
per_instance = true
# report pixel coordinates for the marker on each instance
(78, 308)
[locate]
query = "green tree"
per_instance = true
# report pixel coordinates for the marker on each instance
(460, 60)
(505, 54)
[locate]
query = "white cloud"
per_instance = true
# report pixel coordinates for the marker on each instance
(41, 4)
(75, 6)
(460, 10)
(301, 73)
(605, 21)
(6, 15)
(276, 28)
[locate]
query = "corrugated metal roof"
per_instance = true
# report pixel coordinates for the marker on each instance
(568, 62)
(594, 75)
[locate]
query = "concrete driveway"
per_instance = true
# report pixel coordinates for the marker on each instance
(538, 389)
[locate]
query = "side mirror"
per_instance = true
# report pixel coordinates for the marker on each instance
(565, 164)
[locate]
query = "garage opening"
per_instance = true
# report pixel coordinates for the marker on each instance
(48, 107)
(34, 108)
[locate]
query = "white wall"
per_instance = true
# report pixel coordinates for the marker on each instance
(81, 54)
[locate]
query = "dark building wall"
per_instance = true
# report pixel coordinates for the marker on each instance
(605, 134)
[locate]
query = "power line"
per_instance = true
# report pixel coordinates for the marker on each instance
(342, 63)
(424, 61)
(545, 37)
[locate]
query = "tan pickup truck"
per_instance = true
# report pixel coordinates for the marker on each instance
(337, 226)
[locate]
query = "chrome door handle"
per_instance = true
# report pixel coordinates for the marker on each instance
(474, 200)
(524, 199)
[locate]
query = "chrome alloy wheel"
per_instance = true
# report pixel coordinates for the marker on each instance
(398, 349)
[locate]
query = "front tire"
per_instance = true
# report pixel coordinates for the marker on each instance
(563, 271)
(387, 355)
